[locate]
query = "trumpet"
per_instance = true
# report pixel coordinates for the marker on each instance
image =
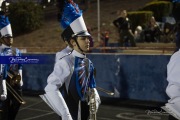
(92, 104)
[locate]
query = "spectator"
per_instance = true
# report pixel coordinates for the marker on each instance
(124, 28)
(138, 34)
(168, 32)
(127, 42)
(152, 31)
(105, 38)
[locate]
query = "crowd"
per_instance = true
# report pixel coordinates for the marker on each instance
(152, 31)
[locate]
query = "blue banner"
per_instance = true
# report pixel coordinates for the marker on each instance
(24, 60)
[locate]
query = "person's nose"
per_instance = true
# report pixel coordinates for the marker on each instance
(87, 40)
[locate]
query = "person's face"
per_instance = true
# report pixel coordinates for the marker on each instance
(124, 13)
(8, 41)
(152, 20)
(83, 42)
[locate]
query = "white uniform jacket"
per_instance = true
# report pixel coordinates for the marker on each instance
(173, 77)
(62, 53)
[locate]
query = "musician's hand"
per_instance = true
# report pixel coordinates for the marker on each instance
(20, 73)
(66, 117)
(98, 100)
(3, 97)
(4, 91)
(21, 83)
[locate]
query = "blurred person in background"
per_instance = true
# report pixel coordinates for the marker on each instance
(152, 31)
(105, 38)
(138, 34)
(124, 28)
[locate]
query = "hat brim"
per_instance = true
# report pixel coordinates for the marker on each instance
(7, 36)
(83, 34)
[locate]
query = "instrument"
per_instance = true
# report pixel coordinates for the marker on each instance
(105, 91)
(14, 79)
(15, 94)
(92, 104)
(92, 101)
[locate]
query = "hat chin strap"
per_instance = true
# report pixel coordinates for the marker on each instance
(5, 43)
(78, 45)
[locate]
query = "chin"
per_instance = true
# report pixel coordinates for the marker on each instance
(87, 49)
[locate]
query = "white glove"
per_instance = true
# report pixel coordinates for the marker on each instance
(98, 100)
(4, 93)
(3, 97)
(67, 117)
(21, 82)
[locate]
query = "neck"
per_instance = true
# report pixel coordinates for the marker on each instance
(79, 51)
(5, 45)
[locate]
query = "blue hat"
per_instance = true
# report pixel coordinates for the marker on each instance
(71, 20)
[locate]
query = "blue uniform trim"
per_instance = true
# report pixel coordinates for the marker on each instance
(80, 81)
(4, 21)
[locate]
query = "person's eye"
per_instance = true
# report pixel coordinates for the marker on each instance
(83, 38)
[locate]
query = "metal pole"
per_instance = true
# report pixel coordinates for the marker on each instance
(98, 19)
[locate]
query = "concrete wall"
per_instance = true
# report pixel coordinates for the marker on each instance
(139, 77)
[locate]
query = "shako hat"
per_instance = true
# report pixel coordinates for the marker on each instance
(71, 20)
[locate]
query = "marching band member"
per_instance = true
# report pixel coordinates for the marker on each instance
(73, 73)
(9, 104)
(173, 88)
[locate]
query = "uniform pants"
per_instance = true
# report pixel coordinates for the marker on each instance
(73, 108)
(11, 106)
(171, 117)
